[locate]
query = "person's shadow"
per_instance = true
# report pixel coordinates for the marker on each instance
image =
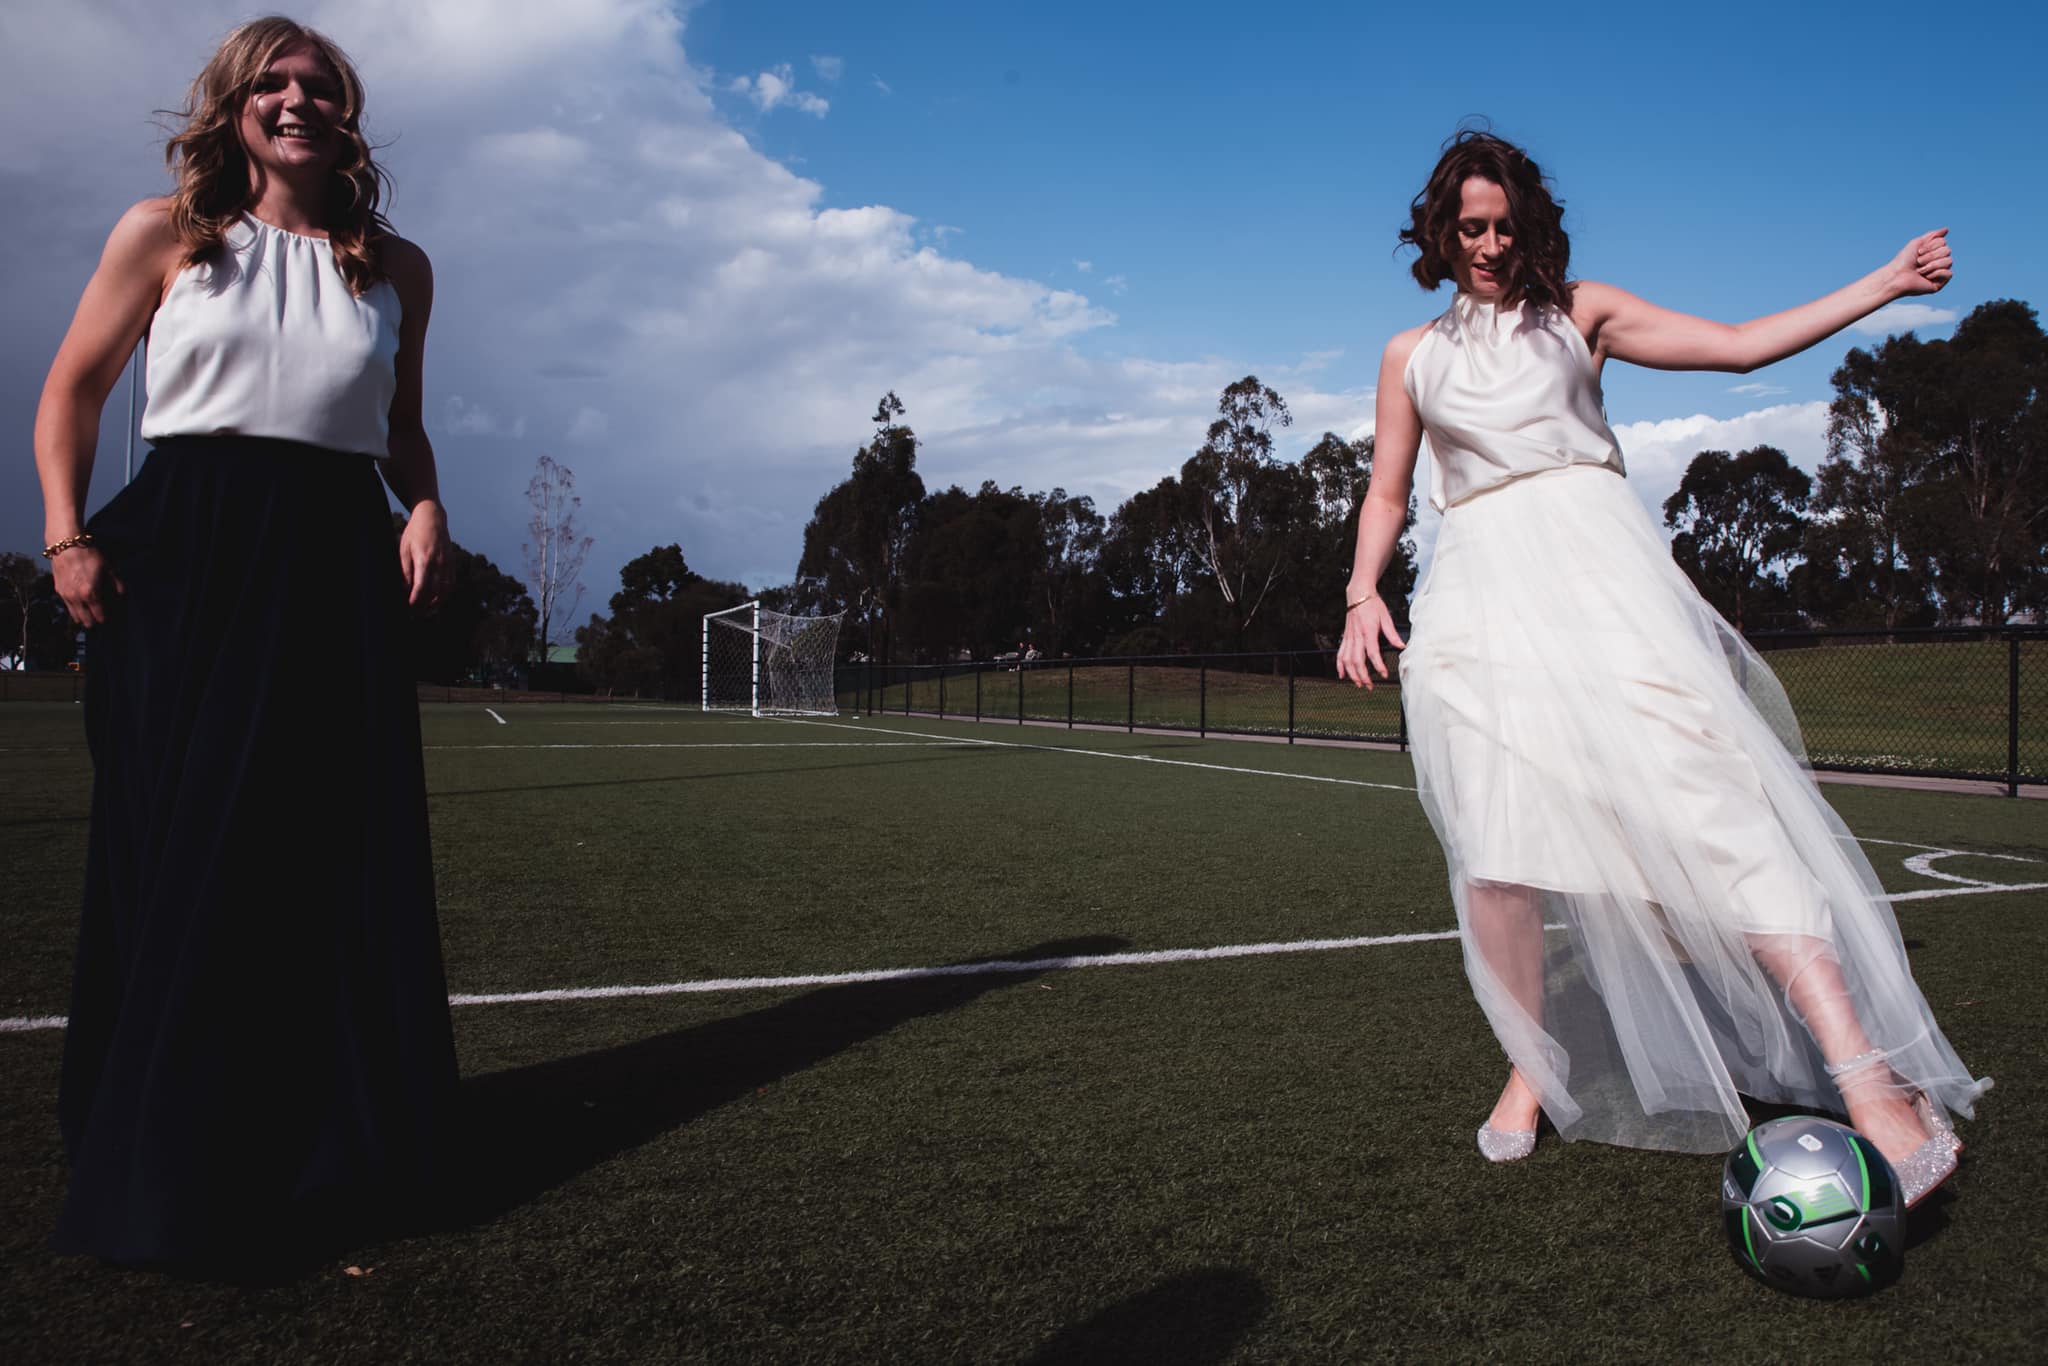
(527, 1130)
(1197, 1317)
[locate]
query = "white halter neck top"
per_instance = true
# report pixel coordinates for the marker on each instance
(1504, 393)
(264, 339)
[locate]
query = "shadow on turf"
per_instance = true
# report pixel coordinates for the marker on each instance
(1197, 1317)
(529, 1129)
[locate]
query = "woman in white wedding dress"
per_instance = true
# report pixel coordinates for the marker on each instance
(1659, 912)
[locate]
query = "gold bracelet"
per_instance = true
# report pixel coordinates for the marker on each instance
(1352, 606)
(56, 548)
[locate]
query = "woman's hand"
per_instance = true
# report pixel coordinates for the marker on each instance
(86, 583)
(423, 554)
(1364, 626)
(1923, 265)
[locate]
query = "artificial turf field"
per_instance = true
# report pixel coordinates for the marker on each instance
(1259, 1157)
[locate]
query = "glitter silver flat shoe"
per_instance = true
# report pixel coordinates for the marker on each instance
(1506, 1145)
(1932, 1163)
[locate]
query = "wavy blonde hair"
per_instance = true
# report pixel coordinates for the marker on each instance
(212, 167)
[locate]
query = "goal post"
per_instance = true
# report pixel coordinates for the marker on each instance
(769, 663)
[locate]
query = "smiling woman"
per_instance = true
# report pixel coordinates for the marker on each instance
(259, 1028)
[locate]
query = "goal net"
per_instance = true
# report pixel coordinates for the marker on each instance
(769, 663)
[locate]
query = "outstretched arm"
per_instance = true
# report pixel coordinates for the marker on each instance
(1397, 434)
(1618, 324)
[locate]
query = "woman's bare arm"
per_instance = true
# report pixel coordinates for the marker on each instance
(1617, 324)
(141, 256)
(423, 547)
(1397, 436)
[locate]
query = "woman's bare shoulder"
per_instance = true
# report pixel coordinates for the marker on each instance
(405, 263)
(1395, 358)
(145, 230)
(406, 266)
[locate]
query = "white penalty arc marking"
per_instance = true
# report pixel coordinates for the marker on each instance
(1113, 754)
(495, 717)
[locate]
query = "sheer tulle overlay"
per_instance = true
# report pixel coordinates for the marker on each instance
(1659, 911)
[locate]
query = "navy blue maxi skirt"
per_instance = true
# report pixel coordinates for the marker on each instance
(259, 1021)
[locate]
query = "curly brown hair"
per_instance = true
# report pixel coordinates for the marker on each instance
(212, 168)
(1542, 251)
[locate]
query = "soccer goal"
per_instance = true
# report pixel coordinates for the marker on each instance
(769, 663)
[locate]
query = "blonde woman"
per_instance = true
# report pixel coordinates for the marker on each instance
(1659, 912)
(259, 1029)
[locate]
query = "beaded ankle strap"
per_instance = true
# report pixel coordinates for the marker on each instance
(1857, 1063)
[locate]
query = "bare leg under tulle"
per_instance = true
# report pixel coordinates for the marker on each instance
(1506, 926)
(1812, 981)
(1507, 929)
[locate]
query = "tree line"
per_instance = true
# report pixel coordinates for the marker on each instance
(1931, 508)
(1238, 550)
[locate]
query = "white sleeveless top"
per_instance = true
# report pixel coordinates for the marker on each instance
(1504, 393)
(264, 339)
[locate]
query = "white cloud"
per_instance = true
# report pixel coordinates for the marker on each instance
(589, 427)
(1902, 317)
(1117, 283)
(777, 87)
(1084, 266)
(623, 281)
(883, 86)
(829, 68)
(1757, 390)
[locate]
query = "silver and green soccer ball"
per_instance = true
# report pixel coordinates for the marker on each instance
(1812, 1207)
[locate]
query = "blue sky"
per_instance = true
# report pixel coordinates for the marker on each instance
(1244, 170)
(684, 250)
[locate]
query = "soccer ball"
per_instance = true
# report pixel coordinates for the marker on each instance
(1812, 1207)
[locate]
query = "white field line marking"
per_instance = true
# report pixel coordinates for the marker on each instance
(495, 717)
(833, 979)
(723, 744)
(28, 1024)
(826, 979)
(1113, 754)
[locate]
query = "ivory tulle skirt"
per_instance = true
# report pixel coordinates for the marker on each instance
(1616, 778)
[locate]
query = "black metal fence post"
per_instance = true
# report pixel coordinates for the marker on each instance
(2012, 713)
(1202, 707)
(942, 692)
(1020, 692)
(977, 690)
(1070, 694)
(1290, 698)
(1131, 697)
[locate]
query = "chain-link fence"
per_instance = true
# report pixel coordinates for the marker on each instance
(1285, 694)
(1949, 703)
(1931, 703)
